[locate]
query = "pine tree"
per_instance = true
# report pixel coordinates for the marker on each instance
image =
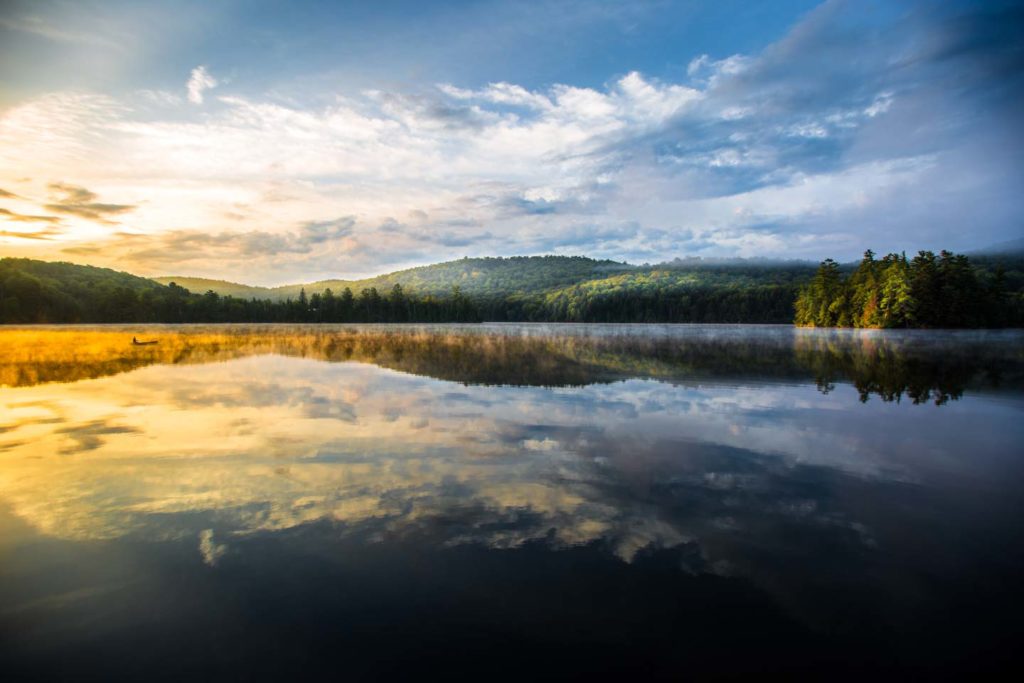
(897, 303)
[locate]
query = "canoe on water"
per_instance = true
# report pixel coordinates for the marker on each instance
(136, 342)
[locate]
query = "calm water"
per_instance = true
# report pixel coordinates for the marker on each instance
(371, 501)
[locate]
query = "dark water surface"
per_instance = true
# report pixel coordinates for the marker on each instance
(366, 502)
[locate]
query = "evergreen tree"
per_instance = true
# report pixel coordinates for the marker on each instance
(896, 303)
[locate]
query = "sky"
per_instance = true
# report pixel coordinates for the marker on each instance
(280, 142)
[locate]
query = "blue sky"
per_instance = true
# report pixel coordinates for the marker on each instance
(272, 142)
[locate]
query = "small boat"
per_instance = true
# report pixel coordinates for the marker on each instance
(136, 342)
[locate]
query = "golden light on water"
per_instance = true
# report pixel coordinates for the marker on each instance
(250, 425)
(268, 442)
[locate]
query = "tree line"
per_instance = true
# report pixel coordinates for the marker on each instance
(944, 290)
(698, 304)
(97, 295)
(725, 293)
(369, 306)
(926, 291)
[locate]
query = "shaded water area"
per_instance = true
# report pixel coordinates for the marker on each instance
(266, 502)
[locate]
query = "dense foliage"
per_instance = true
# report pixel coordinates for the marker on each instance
(476, 277)
(40, 292)
(926, 291)
(691, 293)
(546, 288)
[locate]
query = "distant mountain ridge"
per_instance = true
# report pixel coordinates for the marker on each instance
(474, 276)
(486, 277)
(222, 287)
(1008, 248)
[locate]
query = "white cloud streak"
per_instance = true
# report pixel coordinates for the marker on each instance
(199, 81)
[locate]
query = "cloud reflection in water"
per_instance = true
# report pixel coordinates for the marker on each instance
(270, 442)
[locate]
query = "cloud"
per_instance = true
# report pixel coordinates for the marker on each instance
(500, 93)
(199, 81)
(709, 72)
(726, 161)
(401, 460)
(37, 235)
(88, 436)
(210, 550)
(318, 232)
(40, 27)
(78, 201)
(8, 195)
(201, 249)
(48, 233)
(23, 218)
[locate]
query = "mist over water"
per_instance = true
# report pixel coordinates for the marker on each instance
(266, 501)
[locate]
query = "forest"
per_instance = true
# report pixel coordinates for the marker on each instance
(480, 278)
(719, 293)
(946, 290)
(580, 289)
(41, 292)
(926, 291)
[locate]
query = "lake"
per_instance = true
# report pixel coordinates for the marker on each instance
(494, 501)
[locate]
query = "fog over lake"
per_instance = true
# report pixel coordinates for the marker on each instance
(313, 501)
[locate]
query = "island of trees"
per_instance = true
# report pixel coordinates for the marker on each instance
(946, 290)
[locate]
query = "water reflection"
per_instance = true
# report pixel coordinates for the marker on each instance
(269, 442)
(923, 366)
(733, 464)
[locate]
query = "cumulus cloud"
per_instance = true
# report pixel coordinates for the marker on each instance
(727, 162)
(200, 80)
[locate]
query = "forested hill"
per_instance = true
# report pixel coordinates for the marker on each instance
(477, 277)
(223, 287)
(43, 292)
(579, 289)
(987, 291)
(544, 288)
(680, 291)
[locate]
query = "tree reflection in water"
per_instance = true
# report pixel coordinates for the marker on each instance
(922, 366)
(656, 489)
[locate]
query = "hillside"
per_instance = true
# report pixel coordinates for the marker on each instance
(539, 289)
(201, 285)
(477, 277)
(580, 289)
(43, 290)
(33, 292)
(77, 277)
(689, 292)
